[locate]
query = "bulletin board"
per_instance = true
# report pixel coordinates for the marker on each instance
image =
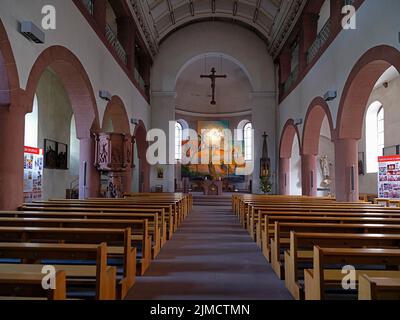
(33, 174)
(389, 177)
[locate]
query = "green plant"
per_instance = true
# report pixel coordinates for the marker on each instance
(265, 185)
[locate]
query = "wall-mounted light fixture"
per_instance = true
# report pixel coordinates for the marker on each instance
(30, 31)
(330, 95)
(105, 95)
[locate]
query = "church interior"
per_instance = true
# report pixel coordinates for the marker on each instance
(199, 150)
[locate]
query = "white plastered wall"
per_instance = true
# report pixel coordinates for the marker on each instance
(74, 33)
(242, 45)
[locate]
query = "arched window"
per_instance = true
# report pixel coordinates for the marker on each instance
(381, 131)
(248, 141)
(32, 125)
(375, 135)
(178, 141)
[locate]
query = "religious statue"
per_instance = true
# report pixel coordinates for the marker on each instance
(325, 169)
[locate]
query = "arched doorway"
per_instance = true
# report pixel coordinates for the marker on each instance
(11, 128)
(116, 120)
(144, 167)
(354, 101)
(317, 145)
(69, 70)
(290, 160)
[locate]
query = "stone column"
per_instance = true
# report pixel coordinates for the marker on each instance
(284, 176)
(346, 170)
(12, 126)
(309, 174)
(263, 120)
(89, 176)
(163, 106)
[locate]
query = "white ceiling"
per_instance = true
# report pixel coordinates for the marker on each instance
(194, 93)
(272, 20)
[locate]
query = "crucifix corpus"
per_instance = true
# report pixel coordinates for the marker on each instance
(213, 76)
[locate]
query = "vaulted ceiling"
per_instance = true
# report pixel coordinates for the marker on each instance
(272, 20)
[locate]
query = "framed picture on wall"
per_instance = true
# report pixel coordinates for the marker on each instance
(160, 173)
(62, 156)
(50, 154)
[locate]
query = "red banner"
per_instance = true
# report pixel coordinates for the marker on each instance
(32, 150)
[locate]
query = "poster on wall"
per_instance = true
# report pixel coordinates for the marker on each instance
(389, 177)
(33, 174)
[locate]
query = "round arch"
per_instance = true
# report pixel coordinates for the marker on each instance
(218, 37)
(116, 112)
(359, 85)
(315, 116)
(289, 132)
(76, 82)
(214, 54)
(144, 167)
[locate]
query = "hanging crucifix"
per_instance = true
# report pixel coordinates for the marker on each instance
(213, 76)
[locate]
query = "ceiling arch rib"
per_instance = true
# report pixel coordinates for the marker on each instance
(170, 14)
(270, 19)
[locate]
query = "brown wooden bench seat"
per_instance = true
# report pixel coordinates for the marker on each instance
(257, 215)
(15, 283)
(269, 225)
(119, 243)
(154, 229)
(379, 288)
(302, 245)
(104, 276)
(166, 228)
(281, 240)
(138, 228)
(319, 278)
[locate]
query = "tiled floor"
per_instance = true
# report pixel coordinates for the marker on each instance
(210, 257)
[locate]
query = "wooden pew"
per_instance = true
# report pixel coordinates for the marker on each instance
(29, 285)
(33, 252)
(153, 229)
(269, 222)
(164, 212)
(281, 239)
(257, 212)
(268, 231)
(319, 278)
(378, 288)
(301, 251)
(115, 239)
(139, 229)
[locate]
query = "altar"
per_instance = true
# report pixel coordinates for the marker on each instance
(213, 187)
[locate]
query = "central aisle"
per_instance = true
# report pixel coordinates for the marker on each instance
(210, 257)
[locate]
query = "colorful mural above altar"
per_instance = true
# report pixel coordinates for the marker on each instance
(212, 145)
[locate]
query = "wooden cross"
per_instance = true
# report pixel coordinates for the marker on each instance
(213, 76)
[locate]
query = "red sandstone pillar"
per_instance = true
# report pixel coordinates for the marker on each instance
(284, 176)
(285, 65)
(308, 35)
(309, 174)
(12, 126)
(89, 176)
(126, 35)
(346, 170)
(99, 14)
